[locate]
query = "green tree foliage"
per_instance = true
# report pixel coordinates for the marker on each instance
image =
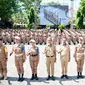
(79, 20)
(27, 4)
(61, 27)
(80, 15)
(7, 8)
(31, 17)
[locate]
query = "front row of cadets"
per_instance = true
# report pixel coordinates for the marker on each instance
(33, 53)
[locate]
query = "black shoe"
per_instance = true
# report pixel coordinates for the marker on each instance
(66, 76)
(32, 77)
(19, 79)
(53, 78)
(78, 77)
(22, 78)
(81, 76)
(48, 78)
(36, 77)
(62, 76)
(2, 78)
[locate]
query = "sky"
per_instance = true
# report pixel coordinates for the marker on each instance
(67, 2)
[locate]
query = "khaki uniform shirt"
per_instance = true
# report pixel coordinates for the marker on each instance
(64, 52)
(80, 51)
(49, 50)
(18, 49)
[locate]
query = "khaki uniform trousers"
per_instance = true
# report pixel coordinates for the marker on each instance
(80, 63)
(3, 67)
(64, 65)
(33, 63)
(50, 64)
(19, 64)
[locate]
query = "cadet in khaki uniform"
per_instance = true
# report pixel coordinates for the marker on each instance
(59, 36)
(3, 60)
(54, 39)
(40, 38)
(20, 57)
(4, 38)
(65, 57)
(45, 34)
(79, 57)
(36, 37)
(34, 58)
(50, 52)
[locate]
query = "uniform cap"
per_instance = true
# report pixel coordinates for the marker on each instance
(17, 37)
(32, 41)
(81, 38)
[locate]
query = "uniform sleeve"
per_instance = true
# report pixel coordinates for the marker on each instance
(5, 48)
(23, 48)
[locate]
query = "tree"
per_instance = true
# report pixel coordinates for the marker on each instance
(79, 19)
(7, 8)
(31, 17)
(31, 3)
(61, 27)
(26, 4)
(34, 4)
(80, 15)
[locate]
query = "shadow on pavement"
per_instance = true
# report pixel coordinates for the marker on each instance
(10, 79)
(43, 79)
(71, 78)
(16, 78)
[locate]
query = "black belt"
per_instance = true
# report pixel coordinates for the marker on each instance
(50, 56)
(33, 55)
